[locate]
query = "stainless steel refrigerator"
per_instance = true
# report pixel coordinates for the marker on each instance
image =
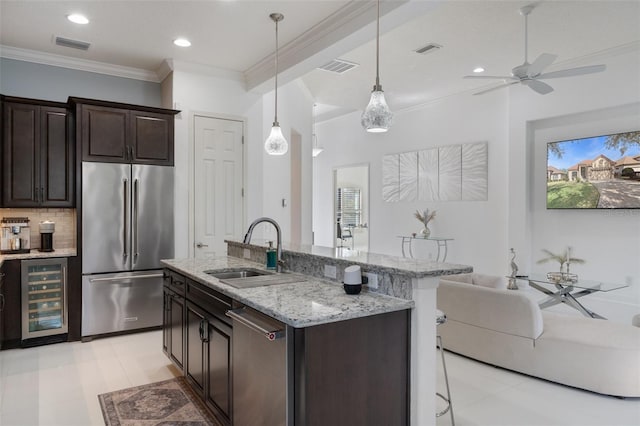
(127, 227)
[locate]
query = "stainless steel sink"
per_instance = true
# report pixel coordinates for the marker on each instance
(237, 273)
(249, 278)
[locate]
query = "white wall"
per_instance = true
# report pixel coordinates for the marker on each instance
(266, 178)
(477, 227)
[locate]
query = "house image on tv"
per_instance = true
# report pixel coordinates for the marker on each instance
(600, 168)
(628, 162)
(554, 174)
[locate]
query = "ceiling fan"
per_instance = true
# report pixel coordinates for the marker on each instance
(531, 74)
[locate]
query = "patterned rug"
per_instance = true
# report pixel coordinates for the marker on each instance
(171, 402)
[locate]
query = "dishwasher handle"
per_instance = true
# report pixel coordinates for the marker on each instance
(244, 317)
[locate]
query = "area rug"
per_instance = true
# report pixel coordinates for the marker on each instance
(170, 402)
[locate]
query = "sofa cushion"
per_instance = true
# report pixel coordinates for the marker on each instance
(490, 281)
(505, 311)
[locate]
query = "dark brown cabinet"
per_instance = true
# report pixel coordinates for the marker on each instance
(37, 154)
(10, 330)
(121, 133)
(173, 318)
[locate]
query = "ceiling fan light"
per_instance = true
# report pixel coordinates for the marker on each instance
(377, 116)
(276, 144)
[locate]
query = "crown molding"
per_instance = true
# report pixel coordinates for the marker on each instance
(169, 65)
(77, 64)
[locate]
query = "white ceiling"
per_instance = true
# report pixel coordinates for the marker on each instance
(238, 36)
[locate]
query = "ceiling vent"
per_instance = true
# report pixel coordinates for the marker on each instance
(338, 66)
(75, 44)
(429, 48)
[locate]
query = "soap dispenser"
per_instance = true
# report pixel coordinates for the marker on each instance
(272, 257)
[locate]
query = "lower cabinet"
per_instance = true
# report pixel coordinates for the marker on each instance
(208, 365)
(173, 327)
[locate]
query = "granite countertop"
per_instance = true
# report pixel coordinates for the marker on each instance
(35, 254)
(373, 262)
(313, 301)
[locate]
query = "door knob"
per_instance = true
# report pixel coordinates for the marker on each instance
(200, 245)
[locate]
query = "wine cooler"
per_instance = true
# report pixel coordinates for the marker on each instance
(44, 297)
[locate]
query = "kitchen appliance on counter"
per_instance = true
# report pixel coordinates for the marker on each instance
(47, 229)
(15, 235)
(127, 227)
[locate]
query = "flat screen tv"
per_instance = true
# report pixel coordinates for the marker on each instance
(598, 172)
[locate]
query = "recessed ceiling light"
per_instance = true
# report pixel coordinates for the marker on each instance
(182, 42)
(478, 69)
(77, 18)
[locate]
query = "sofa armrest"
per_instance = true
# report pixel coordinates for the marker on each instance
(505, 311)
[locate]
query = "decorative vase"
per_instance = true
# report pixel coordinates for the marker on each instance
(425, 232)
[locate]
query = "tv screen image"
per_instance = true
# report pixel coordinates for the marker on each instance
(599, 172)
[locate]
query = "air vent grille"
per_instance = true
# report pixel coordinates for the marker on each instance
(74, 44)
(429, 48)
(338, 66)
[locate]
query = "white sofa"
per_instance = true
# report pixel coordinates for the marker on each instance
(487, 322)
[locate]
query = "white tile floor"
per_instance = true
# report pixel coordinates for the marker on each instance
(486, 395)
(58, 385)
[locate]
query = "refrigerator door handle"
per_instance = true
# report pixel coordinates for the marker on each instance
(135, 220)
(124, 217)
(131, 277)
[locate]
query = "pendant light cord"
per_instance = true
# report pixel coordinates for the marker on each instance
(275, 119)
(378, 50)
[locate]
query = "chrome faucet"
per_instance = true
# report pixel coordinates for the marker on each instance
(247, 237)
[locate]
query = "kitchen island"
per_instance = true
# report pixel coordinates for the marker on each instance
(341, 359)
(367, 330)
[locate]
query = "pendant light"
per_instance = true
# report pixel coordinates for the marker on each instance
(377, 116)
(276, 144)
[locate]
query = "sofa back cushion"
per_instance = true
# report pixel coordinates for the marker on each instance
(505, 311)
(483, 280)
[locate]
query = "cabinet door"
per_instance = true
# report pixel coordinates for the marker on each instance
(56, 159)
(104, 134)
(11, 310)
(194, 368)
(177, 330)
(21, 155)
(151, 138)
(218, 394)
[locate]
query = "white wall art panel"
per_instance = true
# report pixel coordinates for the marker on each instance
(450, 166)
(391, 178)
(474, 171)
(428, 175)
(408, 181)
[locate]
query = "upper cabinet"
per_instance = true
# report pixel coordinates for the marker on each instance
(121, 133)
(37, 154)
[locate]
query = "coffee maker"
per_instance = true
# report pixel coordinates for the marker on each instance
(46, 235)
(15, 235)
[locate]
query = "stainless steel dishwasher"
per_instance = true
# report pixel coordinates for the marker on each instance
(259, 356)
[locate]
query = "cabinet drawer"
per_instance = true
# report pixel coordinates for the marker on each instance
(210, 300)
(175, 282)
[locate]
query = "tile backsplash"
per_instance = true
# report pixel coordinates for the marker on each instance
(65, 220)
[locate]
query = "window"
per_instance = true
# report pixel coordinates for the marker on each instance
(349, 207)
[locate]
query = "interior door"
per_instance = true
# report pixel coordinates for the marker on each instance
(218, 184)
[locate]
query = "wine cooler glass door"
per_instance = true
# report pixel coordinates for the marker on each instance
(44, 298)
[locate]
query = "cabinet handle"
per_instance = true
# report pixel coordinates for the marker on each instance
(1, 302)
(42, 195)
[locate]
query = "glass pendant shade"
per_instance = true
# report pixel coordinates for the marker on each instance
(276, 144)
(377, 117)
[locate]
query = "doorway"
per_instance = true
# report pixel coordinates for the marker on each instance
(351, 207)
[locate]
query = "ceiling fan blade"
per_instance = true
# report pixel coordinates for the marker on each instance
(541, 62)
(491, 77)
(590, 69)
(496, 88)
(538, 86)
